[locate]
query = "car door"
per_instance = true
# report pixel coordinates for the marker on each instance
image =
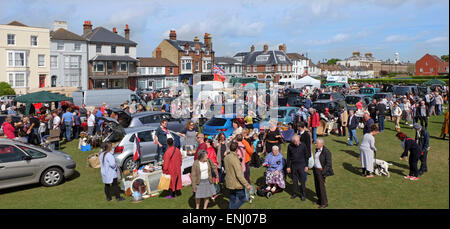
(148, 147)
(14, 169)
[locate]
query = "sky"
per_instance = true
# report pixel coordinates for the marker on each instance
(320, 29)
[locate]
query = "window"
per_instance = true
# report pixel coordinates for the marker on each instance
(284, 67)
(431, 69)
(262, 58)
(53, 81)
(53, 61)
(197, 52)
(426, 63)
(197, 66)
(109, 66)
(145, 136)
(127, 49)
(77, 47)
(186, 64)
(171, 70)
(248, 68)
(98, 48)
(186, 52)
(59, 46)
(267, 68)
(113, 49)
(122, 66)
(41, 60)
(11, 39)
(71, 61)
(33, 153)
(99, 66)
(16, 59)
(33, 40)
(72, 78)
(10, 153)
(421, 69)
(17, 79)
(254, 68)
(207, 52)
(281, 58)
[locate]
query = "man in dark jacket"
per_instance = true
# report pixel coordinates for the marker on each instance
(297, 164)
(352, 125)
(381, 112)
(305, 136)
(372, 108)
(368, 121)
(322, 169)
(423, 140)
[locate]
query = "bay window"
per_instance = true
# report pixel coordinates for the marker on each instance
(17, 79)
(16, 58)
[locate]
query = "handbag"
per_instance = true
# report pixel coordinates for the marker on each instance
(164, 182)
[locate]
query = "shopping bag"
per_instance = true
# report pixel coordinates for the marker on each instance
(94, 160)
(311, 162)
(164, 182)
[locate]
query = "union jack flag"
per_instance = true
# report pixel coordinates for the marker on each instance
(219, 74)
(137, 149)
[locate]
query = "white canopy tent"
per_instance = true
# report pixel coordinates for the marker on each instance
(305, 81)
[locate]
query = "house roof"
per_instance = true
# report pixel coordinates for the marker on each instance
(155, 62)
(273, 58)
(226, 60)
(179, 44)
(17, 23)
(63, 34)
(113, 58)
(102, 35)
(296, 56)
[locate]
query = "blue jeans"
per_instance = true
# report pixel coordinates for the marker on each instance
(68, 132)
(160, 152)
(237, 198)
(439, 109)
(351, 135)
(381, 122)
(314, 133)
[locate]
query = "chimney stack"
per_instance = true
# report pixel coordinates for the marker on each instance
(280, 47)
(368, 54)
(173, 35)
(356, 53)
(158, 53)
(207, 40)
(266, 48)
(127, 32)
(87, 27)
(252, 48)
(197, 45)
(59, 25)
(114, 30)
(284, 47)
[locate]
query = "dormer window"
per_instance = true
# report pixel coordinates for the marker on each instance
(262, 58)
(281, 58)
(197, 52)
(186, 52)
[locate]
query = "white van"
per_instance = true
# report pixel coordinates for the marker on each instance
(112, 97)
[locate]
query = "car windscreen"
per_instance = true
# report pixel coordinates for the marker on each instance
(319, 106)
(366, 91)
(401, 90)
(216, 122)
(324, 96)
(352, 99)
(379, 96)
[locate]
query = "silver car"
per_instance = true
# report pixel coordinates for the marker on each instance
(124, 151)
(22, 164)
(150, 118)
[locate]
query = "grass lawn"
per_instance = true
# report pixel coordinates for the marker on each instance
(345, 190)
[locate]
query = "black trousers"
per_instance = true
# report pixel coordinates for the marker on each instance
(413, 170)
(423, 161)
(112, 189)
(319, 182)
(299, 174)
(175, 192)
(423, 121)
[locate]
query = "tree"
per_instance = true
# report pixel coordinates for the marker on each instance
(444, 58)
(333, 61)
(5, 89)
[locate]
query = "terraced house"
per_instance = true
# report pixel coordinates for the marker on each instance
(156, 73)
(112, 58)
(266, 65)
(24, 57)
(191, 57)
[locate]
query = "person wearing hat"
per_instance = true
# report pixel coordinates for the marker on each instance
(423, 140)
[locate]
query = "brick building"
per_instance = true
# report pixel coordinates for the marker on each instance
(431, 65)
(191, 57)
(266, 65)
(156, 73)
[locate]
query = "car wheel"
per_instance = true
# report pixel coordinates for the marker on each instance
(52, 177)
(130, 164)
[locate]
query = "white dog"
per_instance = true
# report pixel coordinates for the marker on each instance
(382, 168)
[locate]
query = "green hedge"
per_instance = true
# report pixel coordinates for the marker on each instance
(394, 81)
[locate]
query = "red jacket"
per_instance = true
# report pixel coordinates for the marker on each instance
(8, 130)
(315, 122)
(173, 167)
(212, 155)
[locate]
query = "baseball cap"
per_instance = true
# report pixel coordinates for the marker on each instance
(417, 126)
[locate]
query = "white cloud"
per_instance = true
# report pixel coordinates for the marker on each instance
(440, 39)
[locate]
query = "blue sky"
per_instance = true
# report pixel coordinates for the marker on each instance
(323, 29)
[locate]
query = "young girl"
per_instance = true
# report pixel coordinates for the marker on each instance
(108, 169)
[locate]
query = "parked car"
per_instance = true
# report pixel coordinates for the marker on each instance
(285, 115)
(402, 90)
(333, 96)
(351, 101)
(382, 95)
(124, 151)
(22, 164)
(112, 97)
(333, 106)
(223, 123)
(149, 118)
(370, 91)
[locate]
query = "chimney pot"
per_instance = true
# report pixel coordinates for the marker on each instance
(266, 48)
(173, 35)
(87, 27)
(114, 30)
(127, 32)
(158, 53)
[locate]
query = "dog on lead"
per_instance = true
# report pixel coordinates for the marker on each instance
(382, 168)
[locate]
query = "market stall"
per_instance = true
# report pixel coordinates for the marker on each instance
(40, 97)
(305, 81)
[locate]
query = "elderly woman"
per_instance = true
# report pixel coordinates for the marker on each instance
(274, 173)
(202, 179)
(273, 137)
(367, 149)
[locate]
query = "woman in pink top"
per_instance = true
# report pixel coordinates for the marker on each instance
(8, 129)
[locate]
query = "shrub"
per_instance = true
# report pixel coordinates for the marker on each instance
(5, 89)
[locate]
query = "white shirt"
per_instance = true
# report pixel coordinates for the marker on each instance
(316, 159)
(56, 121)
(203, 170)
(91, 120)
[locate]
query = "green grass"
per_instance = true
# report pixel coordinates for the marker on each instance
(346, 189)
